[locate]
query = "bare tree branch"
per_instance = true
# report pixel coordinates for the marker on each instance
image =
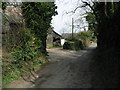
(74, 10)
(86, 4)
(94, 12)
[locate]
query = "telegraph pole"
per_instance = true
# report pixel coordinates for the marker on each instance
(72, 28)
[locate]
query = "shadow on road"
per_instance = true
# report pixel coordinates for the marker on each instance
(69, 69)
(77, 69)
(106, 70)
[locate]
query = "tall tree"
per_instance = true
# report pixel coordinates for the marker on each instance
(90, 18)
(107, 18)
(38, 16)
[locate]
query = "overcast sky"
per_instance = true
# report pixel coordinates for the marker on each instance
(62, 22)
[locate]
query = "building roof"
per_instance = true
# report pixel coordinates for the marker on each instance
(56, 33)
(51, 31)
(13, 14)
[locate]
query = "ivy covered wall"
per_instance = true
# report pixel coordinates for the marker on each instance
(24, 44)
(38, 16)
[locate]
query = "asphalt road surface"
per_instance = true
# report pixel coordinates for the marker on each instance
(67, 69)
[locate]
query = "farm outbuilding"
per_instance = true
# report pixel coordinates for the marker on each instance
(53, 38)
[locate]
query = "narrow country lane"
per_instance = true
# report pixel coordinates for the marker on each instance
(72, 69)
(67, 69)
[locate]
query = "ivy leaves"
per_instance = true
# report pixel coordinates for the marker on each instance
(38, 16)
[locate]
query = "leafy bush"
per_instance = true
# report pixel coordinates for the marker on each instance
(67, 45)
(38, 16)
(78, 45)
(87, 37)
(73, 45)
(28, 50)
(27, 45)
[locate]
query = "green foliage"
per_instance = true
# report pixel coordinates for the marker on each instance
(87, 37)
(107, 18)
(38, 16)
(10, 73)
(4, 4)
(91, 21)
(67, 45)
(73, 45)
(27, 51)
(29, 48)
(26, 45)
(80, 40)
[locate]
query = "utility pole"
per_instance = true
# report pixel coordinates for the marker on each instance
(72, 28)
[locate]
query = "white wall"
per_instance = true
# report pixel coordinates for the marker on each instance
(62, 41)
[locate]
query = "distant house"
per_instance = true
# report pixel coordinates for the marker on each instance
(53, 38)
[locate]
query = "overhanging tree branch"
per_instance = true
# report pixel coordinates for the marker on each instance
(94, 12)
(85, 4)
(74, 10)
